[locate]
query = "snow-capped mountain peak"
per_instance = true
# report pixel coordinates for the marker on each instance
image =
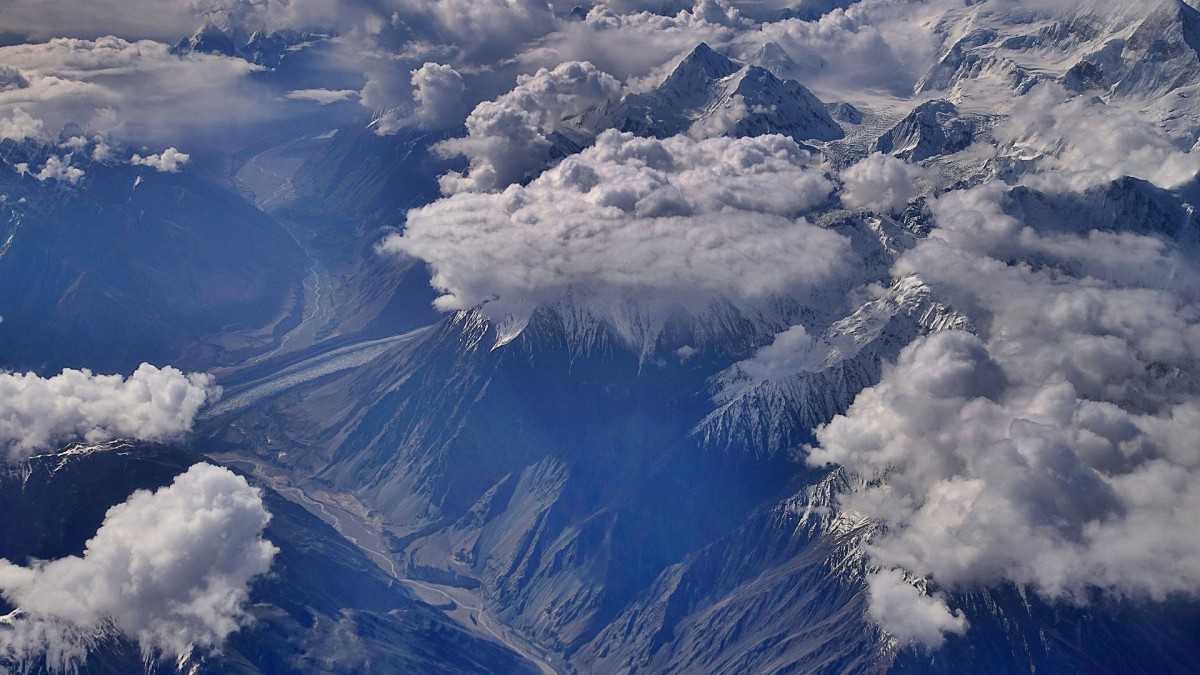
(709, 94)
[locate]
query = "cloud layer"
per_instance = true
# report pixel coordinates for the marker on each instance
(131, 90)
(672, 222)
(437, 102)
(637, 46)
(1049, 449)
(881, 183)
(169, 569)
(1054, 449)
(152, 404)
(1079, 142)
(511, 138)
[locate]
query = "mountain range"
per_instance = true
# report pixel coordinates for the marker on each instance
(899, 379)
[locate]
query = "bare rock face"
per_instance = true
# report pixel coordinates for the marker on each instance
(931, 129)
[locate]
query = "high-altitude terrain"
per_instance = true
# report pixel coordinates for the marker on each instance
(642, 337)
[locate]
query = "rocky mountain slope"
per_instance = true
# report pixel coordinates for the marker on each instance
(129, 264)
(627, 481)
(325, 606)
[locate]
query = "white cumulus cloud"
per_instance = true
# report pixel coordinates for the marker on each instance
(483, 30)
(151, 404)
(57, 168)
(871, 45)
(509, 139)
(438, 102)
(1055, 448)
(19, 125)
(881, 183)
(1078, 142)
(632, 45)
(670, 223)
(169, 569)
(912, 617)
(792, 351)
(167, 161)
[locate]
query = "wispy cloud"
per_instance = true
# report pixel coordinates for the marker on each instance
(135, 91)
